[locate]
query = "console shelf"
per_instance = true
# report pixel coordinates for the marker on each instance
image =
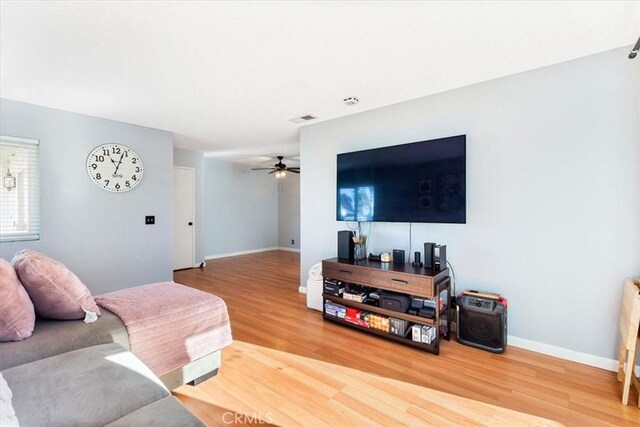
(431, 348)
(400, 278)
(374, 309)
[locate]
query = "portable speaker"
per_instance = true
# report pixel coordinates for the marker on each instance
(482, 321)
(345, 244)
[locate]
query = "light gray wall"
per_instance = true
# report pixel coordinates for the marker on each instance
(195, 160)
(241, 208)
(101, 236)
(289, 211)
(553, 192)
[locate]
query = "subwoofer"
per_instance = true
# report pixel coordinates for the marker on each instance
(482, 321)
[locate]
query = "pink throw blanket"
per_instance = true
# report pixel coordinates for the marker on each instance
(170, 325)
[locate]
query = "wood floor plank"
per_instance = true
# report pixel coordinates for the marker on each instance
(268, 313)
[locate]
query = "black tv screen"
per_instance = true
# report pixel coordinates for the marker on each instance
(417, 182)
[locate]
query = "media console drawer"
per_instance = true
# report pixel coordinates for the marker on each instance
(415, 284)
(405, 283)
(348, 273)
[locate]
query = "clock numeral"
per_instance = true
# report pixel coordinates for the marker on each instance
(116, 150)
(106, 182)
(126, 153)
(127, 184)
(117, 186)
(105, 151)
(94, 166)
(134, 160)
(99, 158)
(137, 169)
(134, 178)
(98, 176)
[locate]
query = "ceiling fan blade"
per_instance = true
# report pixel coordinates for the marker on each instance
(261, 169)
(292, 171)
(273, 171)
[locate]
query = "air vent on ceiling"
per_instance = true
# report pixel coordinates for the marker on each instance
(303, 118)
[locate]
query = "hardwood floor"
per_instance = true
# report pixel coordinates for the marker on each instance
(267, 313)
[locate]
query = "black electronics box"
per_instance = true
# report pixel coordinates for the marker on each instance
(398, 256)
(394, 301)
(428, 312)
(441, 259)
(399, 327)
(333, 287)
(429, 249)
(345, 244)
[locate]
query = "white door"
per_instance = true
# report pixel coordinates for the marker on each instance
(183, 218)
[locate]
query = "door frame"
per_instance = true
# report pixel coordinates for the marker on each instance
(193, 210)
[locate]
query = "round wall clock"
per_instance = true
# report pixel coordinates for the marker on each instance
(114, 167)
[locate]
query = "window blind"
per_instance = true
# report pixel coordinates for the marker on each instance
(20, 190)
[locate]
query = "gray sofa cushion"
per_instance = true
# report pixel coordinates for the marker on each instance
(51, 337)
(167, 412)
(90, 387)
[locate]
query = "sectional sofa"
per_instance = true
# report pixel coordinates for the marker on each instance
(71, 373)
(114, 367)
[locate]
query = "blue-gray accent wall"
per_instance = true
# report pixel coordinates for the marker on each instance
(99, 235)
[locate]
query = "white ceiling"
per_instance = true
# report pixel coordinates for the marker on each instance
(226, 77)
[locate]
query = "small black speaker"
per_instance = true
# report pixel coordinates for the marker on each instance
(441, 258)
(482, 322)
(398, 256)
(429, 254)
(345, 244)
(416, 260)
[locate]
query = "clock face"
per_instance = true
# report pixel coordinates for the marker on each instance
(114, 167)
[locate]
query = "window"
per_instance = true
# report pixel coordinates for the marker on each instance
(19, 193)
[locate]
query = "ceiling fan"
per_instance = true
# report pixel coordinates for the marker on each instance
(280, 169)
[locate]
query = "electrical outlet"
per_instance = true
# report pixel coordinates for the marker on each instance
(150, 219)
(293, 242)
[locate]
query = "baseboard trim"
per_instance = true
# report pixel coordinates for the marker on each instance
(250, 251)
(552, 350)
(564, 353)
(280, 248)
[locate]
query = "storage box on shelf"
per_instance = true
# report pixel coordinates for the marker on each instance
(352, 297)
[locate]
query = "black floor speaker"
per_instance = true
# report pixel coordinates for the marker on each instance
(345, 244)
(482, 321)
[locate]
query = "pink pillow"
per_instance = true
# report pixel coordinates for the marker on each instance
(56, 292)
(17, 317)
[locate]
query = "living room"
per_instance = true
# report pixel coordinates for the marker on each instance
(546, 95)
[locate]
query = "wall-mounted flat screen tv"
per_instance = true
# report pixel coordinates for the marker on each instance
(417, 182)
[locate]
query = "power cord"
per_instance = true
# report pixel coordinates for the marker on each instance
(453, 277)
(352, 229)
(409, 242)
(453, 301)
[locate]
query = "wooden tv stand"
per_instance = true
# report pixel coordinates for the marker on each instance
(400, 278)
